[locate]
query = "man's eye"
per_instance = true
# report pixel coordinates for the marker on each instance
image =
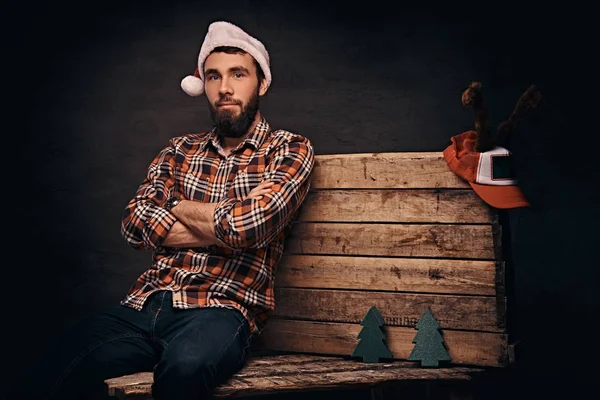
(212, 77)
(238, 75)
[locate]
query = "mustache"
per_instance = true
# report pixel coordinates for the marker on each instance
(227, 100)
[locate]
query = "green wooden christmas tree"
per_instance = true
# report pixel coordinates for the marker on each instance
(371, 346)
(429, 343)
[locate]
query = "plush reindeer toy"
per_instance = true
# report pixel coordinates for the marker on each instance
(472, 97)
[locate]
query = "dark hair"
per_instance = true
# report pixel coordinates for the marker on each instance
(237, 50)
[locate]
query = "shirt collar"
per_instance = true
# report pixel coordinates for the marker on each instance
(254, 138)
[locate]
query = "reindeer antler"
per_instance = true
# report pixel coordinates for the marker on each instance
(529, 99)
(473, 97)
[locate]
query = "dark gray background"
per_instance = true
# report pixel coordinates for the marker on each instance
(94, 95)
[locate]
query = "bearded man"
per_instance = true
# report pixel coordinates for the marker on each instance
(214, 209)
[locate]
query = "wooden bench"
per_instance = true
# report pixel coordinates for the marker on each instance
(398, 231)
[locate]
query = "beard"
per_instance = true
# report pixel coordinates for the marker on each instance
(227, 124)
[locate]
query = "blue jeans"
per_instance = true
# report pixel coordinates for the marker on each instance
(190, 352)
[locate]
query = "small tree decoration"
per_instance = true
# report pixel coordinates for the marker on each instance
(429, 343)
(371, 346)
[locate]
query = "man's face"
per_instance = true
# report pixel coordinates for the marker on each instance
(232, 89)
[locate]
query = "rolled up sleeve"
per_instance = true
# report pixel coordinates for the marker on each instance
(145, 223)
(252, 223)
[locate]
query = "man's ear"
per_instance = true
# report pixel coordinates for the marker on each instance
(263, 87)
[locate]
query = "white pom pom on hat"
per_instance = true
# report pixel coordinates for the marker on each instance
(192, 84)
(219, 34)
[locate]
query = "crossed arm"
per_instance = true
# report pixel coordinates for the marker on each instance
(235, 223)
(195, 221)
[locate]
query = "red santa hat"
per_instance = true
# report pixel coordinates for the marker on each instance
(219, 34)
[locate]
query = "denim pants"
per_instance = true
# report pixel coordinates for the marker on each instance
(189, 351)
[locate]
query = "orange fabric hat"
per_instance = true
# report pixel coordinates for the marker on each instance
(490, 173)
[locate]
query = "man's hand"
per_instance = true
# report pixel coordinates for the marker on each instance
(258, 192)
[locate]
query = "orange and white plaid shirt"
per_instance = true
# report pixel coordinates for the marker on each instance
(239, 271)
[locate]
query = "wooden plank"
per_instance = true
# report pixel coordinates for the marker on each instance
(476, 313)
(412, 170)
(384, 273)
(341, 379)
(408, 240)
(500, 266)
(289, 373)
(115, 385)
(415, 206)
(484, 349)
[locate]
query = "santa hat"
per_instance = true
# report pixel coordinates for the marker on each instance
(219, 34)
(490, 173)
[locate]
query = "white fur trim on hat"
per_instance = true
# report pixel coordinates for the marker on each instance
(219, 34)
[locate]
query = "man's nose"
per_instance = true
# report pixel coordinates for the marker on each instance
(225, 87)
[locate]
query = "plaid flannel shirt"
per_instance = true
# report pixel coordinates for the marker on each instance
(239, 271)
